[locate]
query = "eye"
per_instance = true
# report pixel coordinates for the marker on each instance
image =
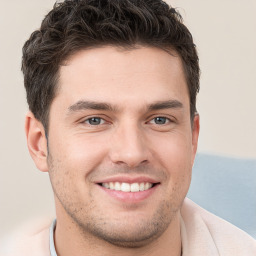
(160, 120)
(94, 121)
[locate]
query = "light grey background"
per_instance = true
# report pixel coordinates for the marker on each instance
(225, 33)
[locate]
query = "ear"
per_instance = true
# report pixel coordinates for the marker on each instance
(195, 134)
(36, 141)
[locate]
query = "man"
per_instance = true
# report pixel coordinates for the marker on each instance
(111, 87)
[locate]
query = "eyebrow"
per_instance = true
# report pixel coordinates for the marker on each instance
(169, 104)
(85, 105)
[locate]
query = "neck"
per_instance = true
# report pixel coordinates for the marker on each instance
(71, 240)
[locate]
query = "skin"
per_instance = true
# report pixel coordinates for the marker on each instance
(126, 142)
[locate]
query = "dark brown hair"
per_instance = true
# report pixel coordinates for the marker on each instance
(79, 24)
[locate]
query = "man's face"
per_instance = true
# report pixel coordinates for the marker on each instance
(121, 146)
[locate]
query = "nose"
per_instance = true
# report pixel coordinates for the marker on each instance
(129, 147)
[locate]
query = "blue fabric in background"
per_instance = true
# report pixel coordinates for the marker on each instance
(226, 187)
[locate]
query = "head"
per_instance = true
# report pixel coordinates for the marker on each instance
(113, 84)
(76, 25)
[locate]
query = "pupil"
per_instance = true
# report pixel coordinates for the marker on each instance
(160, 120)
(94, 121)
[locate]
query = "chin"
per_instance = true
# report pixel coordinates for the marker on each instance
(129, 238)
(129, 231)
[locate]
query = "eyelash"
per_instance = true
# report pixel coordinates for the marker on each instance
(94, 117)
(167, 120)
(103, 121)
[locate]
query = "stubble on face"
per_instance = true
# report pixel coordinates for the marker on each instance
(81, 155)
(91, 220)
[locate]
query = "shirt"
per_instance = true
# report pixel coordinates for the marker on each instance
(202, 233)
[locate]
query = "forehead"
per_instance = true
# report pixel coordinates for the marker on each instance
(119, 75)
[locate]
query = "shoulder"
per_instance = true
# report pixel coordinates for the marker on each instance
(225, 237)
(31, 239)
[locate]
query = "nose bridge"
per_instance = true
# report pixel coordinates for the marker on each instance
(128, 145)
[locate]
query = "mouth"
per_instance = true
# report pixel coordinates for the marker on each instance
(128, 187)
(129, 190)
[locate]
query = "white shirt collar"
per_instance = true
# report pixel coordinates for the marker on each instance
(52, 246)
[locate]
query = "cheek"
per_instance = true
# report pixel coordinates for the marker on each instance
(79, 153)
(175, 155)
(175, 148)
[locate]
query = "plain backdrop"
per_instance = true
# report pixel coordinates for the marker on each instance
(225, 34)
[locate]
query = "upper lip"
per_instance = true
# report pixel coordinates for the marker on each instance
(128, 179)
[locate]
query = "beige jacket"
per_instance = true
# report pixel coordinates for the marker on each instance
(202, 234)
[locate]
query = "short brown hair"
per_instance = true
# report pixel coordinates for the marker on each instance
(74, 25)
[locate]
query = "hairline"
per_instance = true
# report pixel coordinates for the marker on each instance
(122, 47)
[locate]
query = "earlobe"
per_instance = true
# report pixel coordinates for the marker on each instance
(36, 141)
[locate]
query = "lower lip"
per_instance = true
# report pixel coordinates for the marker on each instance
(130, 197)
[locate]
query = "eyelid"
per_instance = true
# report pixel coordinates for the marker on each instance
(167, 120)
(170, 119)
(85, 120)
(102, 121)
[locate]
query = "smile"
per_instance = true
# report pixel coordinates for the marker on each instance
(127, 187)
(129, 190)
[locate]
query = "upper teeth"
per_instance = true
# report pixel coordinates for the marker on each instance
(127, 187)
